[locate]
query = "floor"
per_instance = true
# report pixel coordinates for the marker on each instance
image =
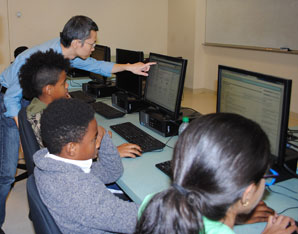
(17, 206)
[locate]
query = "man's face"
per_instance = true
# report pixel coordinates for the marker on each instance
(85, 49)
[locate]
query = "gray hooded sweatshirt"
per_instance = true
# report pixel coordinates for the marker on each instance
(80, 202)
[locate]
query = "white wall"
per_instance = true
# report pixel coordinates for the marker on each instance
(4, 39)
(163, 26)
(208, 58)
(181, 34)
(129, 24)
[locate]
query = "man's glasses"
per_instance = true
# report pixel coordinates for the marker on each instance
(270, 177)
(93, 44)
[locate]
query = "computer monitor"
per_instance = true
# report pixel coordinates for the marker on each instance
(165, 83)
(262, 98)
(102, 53)
(126, 81)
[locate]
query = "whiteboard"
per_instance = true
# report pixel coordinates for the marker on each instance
(256, 23)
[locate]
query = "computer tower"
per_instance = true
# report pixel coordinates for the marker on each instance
(98, 90)
(127, 103)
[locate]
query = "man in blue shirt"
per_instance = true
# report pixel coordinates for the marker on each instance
(76, 42)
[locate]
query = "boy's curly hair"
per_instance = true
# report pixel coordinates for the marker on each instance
(41, 69)
(65, 121)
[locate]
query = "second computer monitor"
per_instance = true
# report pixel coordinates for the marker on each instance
(164, 84)
(262, 98)
(127, 81)
(101, 53)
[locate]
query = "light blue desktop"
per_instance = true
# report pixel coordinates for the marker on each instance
(141, 177)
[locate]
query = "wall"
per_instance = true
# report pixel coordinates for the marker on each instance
(4, 39)
(208, 58)
(129, 24)
(181, 33)
(162, 26)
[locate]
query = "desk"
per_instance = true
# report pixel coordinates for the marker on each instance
(141, 177)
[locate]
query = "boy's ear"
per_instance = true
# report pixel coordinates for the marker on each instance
(71, 149)
(47, 90)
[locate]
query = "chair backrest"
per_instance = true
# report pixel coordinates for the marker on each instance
(28, 140)
(42, 220)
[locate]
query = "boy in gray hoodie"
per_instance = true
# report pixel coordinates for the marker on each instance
(70, 184)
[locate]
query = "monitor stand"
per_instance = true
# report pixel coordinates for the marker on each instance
(288, 169)
(97, 89)
(127, 103)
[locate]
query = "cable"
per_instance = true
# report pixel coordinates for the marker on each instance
(290, 208)
(269, 189)
(277, 185)
(168, 142)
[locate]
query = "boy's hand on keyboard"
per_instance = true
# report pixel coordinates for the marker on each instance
(129, 150)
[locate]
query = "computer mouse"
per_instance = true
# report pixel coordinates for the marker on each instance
(134, 155)
(131, 157)
(296, 223)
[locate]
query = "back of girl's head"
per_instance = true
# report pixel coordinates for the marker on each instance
(41, 69)
(64, 121)
(214, 160)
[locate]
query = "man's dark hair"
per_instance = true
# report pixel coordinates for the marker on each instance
(41, 69)
(78, 27)
(215, 159)
(64, 121)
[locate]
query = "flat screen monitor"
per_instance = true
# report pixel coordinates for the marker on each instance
(127, 81)
(262, 98)
(102, 53)
(165, 83)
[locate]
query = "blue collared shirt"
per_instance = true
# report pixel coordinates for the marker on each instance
(10, 79)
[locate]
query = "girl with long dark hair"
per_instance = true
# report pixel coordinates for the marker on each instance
(219, 164)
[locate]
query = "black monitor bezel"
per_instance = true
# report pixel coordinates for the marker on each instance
(172, 114)
(280, 158)
(107, 57)
(138, 78)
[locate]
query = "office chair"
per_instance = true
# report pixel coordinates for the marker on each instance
(28, 140)
(43, 221)
(24, 175)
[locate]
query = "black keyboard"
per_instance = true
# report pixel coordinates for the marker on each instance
(107, 111)
(81, 95)
(165, 167)
(135, 135)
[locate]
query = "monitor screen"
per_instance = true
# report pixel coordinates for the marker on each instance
(127, 81)
(102, 53)
(262, 98)
(164, 84)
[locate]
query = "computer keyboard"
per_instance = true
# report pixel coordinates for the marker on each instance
(107, 111)
(135, 135)
(81, 95)
(165, 167)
